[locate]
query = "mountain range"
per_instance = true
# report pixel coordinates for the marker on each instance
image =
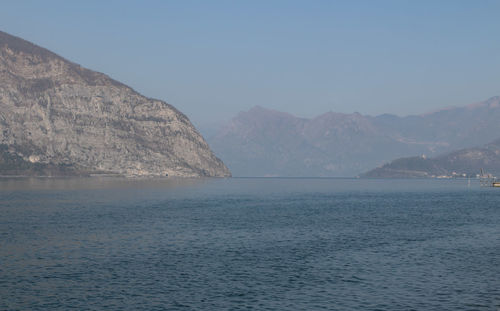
(57, 118)
(264, 142)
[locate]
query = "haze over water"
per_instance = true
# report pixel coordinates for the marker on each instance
(238, 244)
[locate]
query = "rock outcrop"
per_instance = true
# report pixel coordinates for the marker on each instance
(58, 115)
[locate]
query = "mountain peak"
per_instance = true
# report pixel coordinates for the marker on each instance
(19, 45)
(259, 112)
(492, 102)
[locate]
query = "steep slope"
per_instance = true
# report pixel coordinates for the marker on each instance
(464, 162)
(262, 142)
(61, 115)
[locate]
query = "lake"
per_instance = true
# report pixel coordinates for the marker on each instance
(248, 244)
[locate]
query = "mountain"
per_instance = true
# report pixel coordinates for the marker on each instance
(263, 142)
(464, 162)
(58, 118)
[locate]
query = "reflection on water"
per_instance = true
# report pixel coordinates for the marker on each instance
(87, 183)
(266, 244)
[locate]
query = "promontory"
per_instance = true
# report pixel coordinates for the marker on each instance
(57, 118)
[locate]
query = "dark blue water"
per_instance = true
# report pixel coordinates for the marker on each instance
(248, 244)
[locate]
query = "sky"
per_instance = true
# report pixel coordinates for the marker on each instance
(213, 59)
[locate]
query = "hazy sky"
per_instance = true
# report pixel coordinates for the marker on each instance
(212, 59)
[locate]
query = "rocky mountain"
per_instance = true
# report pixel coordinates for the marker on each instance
(58, 118)
(464, 162)
(263, 142)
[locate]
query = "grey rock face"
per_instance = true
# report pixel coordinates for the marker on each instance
(54, 111)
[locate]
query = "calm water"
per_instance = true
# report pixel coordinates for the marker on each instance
(243, 244)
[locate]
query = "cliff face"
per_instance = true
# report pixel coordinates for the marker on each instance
(56, 113)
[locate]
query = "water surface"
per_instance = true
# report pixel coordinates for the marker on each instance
(248, 244)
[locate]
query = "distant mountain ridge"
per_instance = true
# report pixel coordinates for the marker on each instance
(57, 118)
(462, 163)
(264, 142)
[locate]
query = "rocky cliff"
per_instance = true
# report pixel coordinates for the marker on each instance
(57, 117)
